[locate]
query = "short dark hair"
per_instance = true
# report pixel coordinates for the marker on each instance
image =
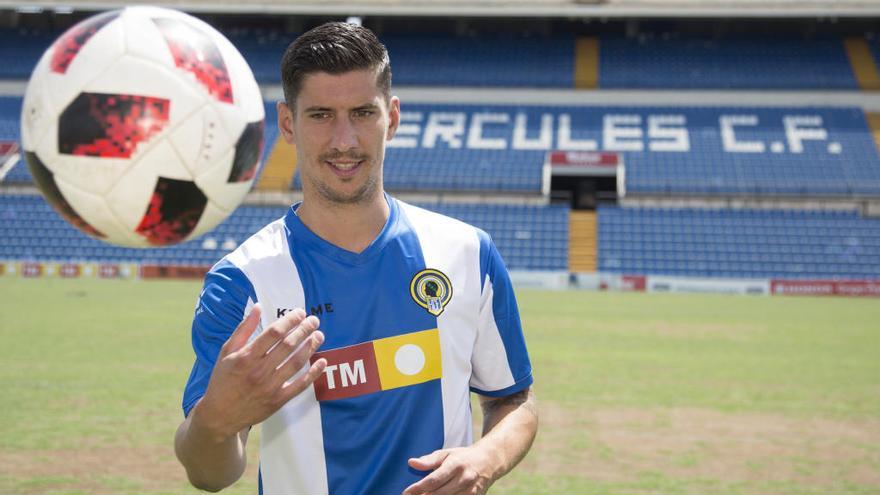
(334, 48)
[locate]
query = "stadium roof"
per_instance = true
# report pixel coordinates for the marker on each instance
(495, 8)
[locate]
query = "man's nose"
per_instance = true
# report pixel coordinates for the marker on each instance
(344, 135)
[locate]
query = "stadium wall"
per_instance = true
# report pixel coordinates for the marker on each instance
(522, 279)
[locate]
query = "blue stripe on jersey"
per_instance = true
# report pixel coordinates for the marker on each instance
(220, 309)
(367, 442)
(506, 313)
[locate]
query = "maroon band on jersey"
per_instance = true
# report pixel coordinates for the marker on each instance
(350, 371)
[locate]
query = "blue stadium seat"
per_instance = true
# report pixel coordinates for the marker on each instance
(739, 243)
(671, 62)
(528, 237)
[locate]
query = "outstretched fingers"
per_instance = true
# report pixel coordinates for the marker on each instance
(293, 388)
(300, 352)
(243, 332)
(276, 332)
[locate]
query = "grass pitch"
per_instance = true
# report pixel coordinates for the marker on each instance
(639, 393)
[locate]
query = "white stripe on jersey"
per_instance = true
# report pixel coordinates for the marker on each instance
(453, 248)
(292, 442)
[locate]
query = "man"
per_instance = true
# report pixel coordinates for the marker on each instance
(416, 311)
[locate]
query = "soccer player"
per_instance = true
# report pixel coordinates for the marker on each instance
(415, 309)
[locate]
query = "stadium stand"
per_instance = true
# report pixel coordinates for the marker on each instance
(528, 237)
(762, 153)
(657, 61)
(751, 244)
(542, 62)
(650, 61)
(20, 49)
(667, 150)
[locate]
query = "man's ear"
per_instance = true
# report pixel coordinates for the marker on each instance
(285, 122)
(393, 118)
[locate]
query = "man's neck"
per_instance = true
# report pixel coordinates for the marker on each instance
(351, 227)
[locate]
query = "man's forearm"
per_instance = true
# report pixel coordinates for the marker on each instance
(212, 461)
(509, 427)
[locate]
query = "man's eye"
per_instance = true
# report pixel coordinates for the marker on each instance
(319, 116)
(363, 113)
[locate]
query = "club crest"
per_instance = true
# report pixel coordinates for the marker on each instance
(431, 290)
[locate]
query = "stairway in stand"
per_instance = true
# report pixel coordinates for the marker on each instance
(582, 250)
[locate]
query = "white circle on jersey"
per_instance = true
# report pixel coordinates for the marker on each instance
(409, 359)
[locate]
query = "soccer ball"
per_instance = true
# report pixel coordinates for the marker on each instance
(143, 126)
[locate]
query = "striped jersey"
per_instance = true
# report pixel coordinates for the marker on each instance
(414, 323)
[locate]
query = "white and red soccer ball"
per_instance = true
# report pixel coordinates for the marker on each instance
(143, 126)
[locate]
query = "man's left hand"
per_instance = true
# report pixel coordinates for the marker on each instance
(463, 470)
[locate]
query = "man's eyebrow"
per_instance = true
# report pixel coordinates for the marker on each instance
(366, 106)
(318, 109)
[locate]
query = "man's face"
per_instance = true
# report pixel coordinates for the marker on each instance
(339, 127)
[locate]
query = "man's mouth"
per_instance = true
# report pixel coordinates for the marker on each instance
(344, 168)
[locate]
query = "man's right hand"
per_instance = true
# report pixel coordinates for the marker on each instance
(252, 380)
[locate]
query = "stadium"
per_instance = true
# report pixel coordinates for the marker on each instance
(656, 174)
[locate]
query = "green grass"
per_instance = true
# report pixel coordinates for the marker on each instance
(640, 394)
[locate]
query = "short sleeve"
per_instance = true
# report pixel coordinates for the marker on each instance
(500, 361)
(225, 298)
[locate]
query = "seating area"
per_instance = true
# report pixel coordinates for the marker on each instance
(819, 151)
(660, 62)
(542, 61)
(784, 244)
(528, 237)
(651, 60)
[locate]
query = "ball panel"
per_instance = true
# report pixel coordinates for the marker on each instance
(66, 48)
(142, 38)
(201, 139)
(46, 182)
(173, 212)
(195, 52)
(248, 98)
(104, 48)
(143, 77)
(130, 195)
(36, 110)
(95, 210)
(248, 151)
(110, 125)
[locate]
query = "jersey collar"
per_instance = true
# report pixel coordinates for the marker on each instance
(299, 236)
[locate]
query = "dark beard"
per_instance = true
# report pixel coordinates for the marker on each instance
(363, 195)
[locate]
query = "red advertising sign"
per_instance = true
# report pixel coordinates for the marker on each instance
(584, 158)
(633, 283)
(825, 287)
(174, 271)
(69, 270)
(108, 271)
(31, 270)
(7, 148)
